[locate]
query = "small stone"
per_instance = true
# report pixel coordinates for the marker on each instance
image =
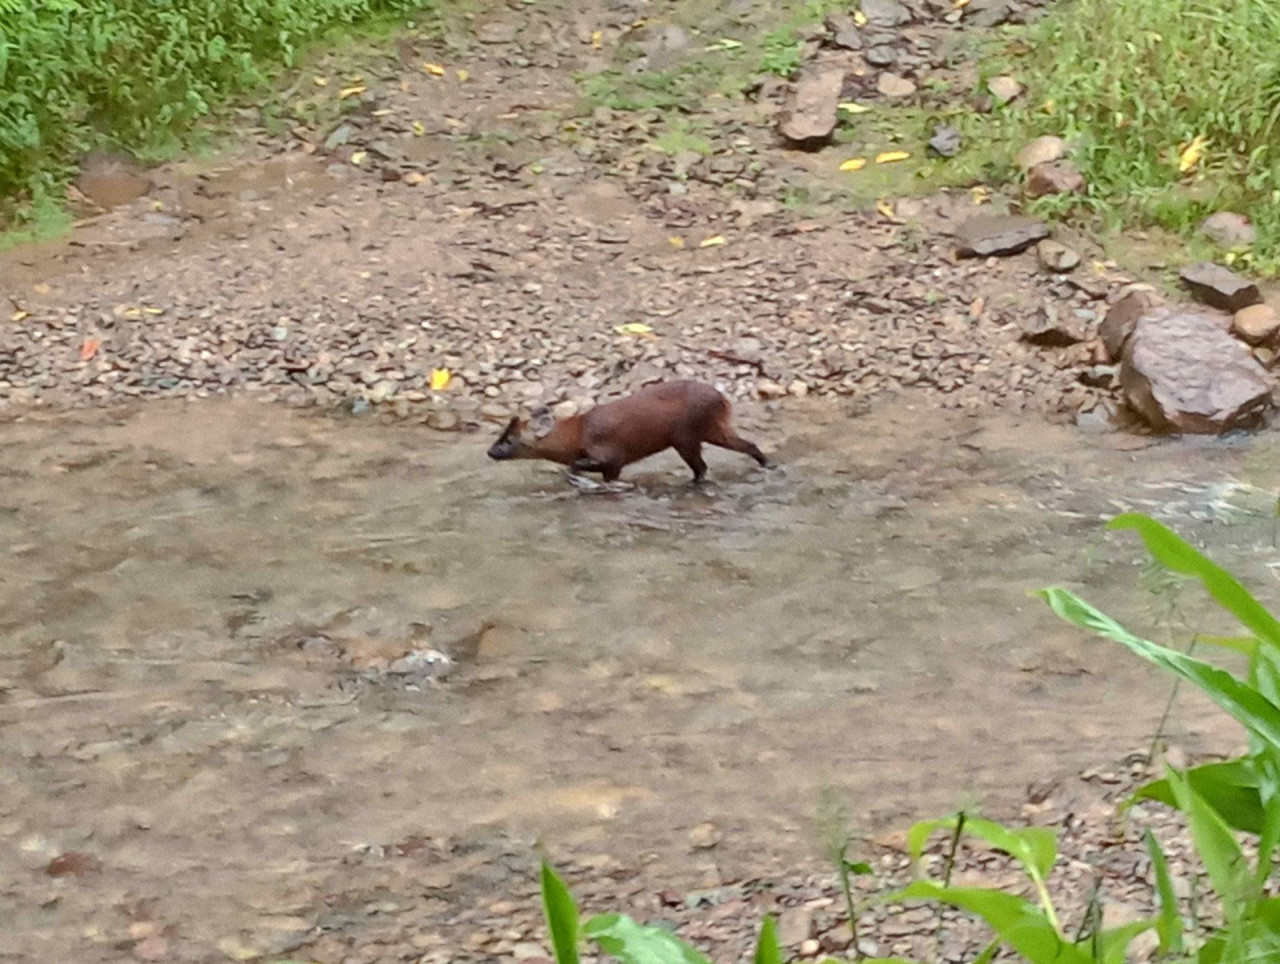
(798, 389)
(988, 13)
(494, 412)
(1042, 150)
(795, 926)
(988, 235)
(1004, 88)
(768, 388)
(1256, 324)
(1057, 256)
(1228, 229)
(1047, 328)
(443, 420)
(946, 141)
(881, 55)
(811, 117)
(705, 836)
(885, 13)
(662, 41)
(895, 87)
(1054, 177)
(1219, 287)
(810, 948)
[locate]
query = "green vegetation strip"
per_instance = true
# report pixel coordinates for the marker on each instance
(136, 74)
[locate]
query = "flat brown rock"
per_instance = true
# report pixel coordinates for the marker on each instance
(989, 235)
(811, 116)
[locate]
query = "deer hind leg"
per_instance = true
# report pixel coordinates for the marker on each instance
(691, 452)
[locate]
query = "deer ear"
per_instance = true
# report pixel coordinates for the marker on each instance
(542, 422)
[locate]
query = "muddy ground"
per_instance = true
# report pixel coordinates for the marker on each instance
(314, 681)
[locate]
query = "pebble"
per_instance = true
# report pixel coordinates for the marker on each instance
(1042, 150)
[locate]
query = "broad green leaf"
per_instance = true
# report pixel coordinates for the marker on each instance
(1169, 922)
(767, 950)
(635, 943)
(1035, 848)
(1019, 923)
(1216, 846)
(562, 916)
(859, 868)
(1252, 710)
(1231, 788)
(1174, 553)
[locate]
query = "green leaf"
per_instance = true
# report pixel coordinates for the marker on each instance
(1035, 848)
(1169, 922)
(767, 949)
(1172, 552)
(1252, 710)
(1217, 847)
(1113, 945)
(1231, 788)
(635, 943)
(859, 868)
(562, 916)
(1018, 922)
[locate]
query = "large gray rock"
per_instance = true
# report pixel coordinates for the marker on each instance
(1183, 373)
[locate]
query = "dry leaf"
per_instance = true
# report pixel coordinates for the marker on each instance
(414, 178)
(675, 241)
(418, 128)
(597, 39)
(462, 74)
(358, 157)
(435, 70)
(859, 18)
(89, 348)
(153, 311)
(320, 81)
(891, 157)
(19, 315)
(634, 328)
(960, 4)
(440, 379)
(851, 107)
(385, 112)
(351, 91)
(980, 194)
(1191, 154)
(886, 209)
(854, 164)
(712, 242)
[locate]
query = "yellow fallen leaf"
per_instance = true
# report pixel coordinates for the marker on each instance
(435, 70)
(157, 205)
(859, 18)
(633, 328)
(675, 242)
(854, 164)
(712, 242)
(1048, 106)
(440, 379)
(19, 315)
(462, 74)
(351, 91)
(418, 128)
(597, 39)
(1191, 154)
(852, 107)
(960, 4)
(414, 178)
(358, 157)
(980, 195)
(891, 157)
(886, 209)
(320, 81)
(384, 112)
(153, 311)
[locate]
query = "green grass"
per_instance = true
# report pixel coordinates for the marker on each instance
(1133, 82)
(138, 75)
